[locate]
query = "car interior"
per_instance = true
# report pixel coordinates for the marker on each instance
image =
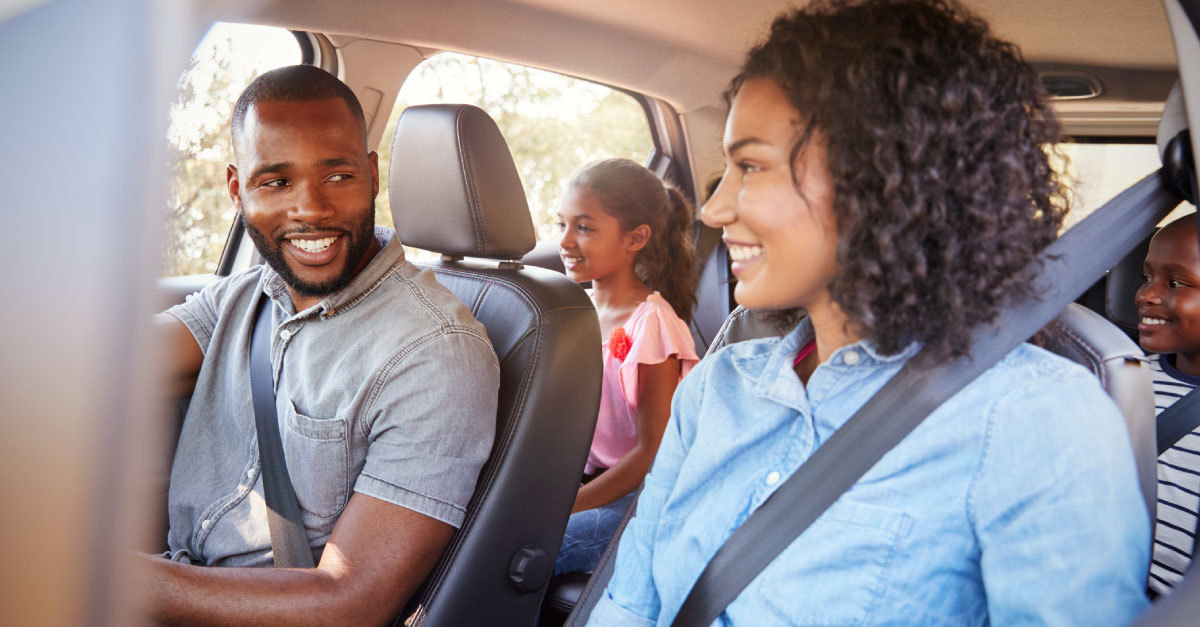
(456, 192)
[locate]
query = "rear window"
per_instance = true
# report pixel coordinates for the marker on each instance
(553, 123)
(1099, 171)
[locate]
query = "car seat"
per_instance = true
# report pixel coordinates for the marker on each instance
(455, 190)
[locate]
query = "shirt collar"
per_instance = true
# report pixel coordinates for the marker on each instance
(1168, 365)
(389, 257)
(777, 368)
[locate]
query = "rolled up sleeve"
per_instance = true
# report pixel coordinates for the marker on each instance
(431, 426)
(199, 311)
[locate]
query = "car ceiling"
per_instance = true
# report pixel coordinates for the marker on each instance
(684, 51)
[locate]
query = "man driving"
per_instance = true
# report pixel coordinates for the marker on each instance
(385, 385)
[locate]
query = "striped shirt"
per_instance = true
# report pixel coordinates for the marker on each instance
(1178, 482)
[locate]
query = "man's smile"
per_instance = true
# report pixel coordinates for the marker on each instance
(314, 249)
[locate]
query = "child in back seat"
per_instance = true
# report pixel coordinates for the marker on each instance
(630, 235)
(1169, 325)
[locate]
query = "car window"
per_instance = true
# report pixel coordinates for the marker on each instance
(553, 123)
(199, 212)
(1098, 171)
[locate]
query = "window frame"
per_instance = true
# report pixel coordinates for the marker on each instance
(668, 151)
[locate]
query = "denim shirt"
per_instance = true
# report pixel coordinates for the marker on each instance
(1016, 502)
(387, 387)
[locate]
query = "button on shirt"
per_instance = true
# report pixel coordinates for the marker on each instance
(1016, 501)
(387, 387)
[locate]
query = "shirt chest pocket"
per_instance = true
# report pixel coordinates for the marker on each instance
(317, 454)
(835, 571)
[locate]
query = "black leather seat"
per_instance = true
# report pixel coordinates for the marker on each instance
(1078, 334)
(454, 190)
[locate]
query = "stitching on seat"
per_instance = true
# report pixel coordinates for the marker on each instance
(1084, 347)
(723, 332)
(489, 473)
(473, 204)
(479, 298)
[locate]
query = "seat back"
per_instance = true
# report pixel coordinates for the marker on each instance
(1079, 334)
(454, 190)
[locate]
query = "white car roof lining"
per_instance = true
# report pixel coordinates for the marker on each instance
(684, 51)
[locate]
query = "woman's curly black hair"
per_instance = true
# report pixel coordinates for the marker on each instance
(939, 142)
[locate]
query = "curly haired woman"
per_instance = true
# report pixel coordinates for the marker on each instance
(887, 174)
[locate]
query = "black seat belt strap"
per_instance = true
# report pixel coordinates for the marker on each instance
(1068, 267)
(1178, 420)
(289, 542)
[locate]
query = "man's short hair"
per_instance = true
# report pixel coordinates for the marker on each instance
(294, 83)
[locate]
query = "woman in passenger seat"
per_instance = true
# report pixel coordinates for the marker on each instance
(887, 172)
(630, 235)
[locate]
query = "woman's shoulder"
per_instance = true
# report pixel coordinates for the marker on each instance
(1033, 375)
(1030, 362)
(747, 358)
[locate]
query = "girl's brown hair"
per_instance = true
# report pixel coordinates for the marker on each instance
(636, 196)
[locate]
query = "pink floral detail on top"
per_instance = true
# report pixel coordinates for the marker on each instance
(619, 343)
(651, 334)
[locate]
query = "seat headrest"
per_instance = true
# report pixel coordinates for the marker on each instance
(1175, 146)
(454, 188)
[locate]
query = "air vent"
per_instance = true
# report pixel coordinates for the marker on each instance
(1071, 86)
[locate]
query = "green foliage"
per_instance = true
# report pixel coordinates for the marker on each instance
(200, 211)
(553, 124)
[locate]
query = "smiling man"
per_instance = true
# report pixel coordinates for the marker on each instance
(385, 385)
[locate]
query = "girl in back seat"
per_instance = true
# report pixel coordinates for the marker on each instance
(630, 235)
(887, 173)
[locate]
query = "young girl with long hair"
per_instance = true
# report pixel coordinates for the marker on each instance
(629, 234)
(887, 173)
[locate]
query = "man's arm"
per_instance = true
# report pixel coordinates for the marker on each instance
(181, 354)
(376, 557)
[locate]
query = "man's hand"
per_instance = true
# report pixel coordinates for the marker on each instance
(376, 557)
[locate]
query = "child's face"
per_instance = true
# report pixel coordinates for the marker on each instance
(1169, 300)
(592, 244)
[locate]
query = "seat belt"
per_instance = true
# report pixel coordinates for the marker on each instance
(706, 241)
(289, 542)
(1068, 266)
(1178, 420)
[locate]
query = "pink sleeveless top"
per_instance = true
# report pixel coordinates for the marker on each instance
(656, 333)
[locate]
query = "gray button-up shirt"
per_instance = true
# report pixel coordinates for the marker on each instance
(387, 387)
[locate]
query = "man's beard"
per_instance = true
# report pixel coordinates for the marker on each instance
(272, 253)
